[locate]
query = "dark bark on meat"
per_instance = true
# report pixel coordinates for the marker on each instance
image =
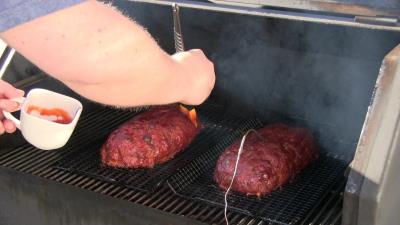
(269, 159)
(153, 137)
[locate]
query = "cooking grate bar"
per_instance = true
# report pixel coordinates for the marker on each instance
(124, 193)
(14, 156)
(100, 187)
(161, 202)
(180, 207)
(251, 222)
(141, 198)
(332, 211)
(153, 197)
(337, 219)
(57, 175)
(108, 189)
(172, 204)
(68, 178)
(327, 203)
(333, 199)
(200, 213)
(218, 216)
(212, 212)
(135, 195)
(79, 180)
(242, 221)
(115, 190)
(88, 184)
(235, 219)
(11, 155)
(188, 208)
(96, 187)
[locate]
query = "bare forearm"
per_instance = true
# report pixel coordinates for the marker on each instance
(102, 55)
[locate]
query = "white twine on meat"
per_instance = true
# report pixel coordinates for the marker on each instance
(234, 173)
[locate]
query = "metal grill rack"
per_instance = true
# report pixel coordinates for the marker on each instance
(288, 205)
(98, 123)
(94, 124)
(86, 157)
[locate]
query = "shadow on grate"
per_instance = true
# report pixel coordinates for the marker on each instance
(289, 204)
(86, 158)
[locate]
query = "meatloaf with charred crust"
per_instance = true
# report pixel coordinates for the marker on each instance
(270, 158)
(152, 137)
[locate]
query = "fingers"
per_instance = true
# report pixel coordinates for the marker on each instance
(189, 53)
(8, 91)
(196, 50)
(8, 105)
(6, 125)
(9, 126)
(199, 73)
(2, 129)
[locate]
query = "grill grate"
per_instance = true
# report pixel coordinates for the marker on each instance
(86, 157)
(98, 123)
(27, 159)
(288, 205)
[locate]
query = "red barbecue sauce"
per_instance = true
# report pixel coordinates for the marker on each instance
(192, 115)
(62, 116)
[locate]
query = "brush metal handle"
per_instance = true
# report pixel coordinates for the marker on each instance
(179, 46)
(178, 38)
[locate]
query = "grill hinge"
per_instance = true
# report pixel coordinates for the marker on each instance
(378, 20)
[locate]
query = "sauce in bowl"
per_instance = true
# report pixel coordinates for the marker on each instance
(56, 115)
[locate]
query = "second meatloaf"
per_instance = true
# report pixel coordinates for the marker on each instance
(150, 138)
(270, 157)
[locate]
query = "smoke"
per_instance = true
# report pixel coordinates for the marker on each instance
(313, 75)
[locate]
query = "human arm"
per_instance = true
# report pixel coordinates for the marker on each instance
(108, 58)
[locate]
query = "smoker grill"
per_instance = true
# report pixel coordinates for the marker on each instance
(326, 70)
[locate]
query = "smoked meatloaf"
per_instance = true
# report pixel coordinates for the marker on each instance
(270, 157)
(152, 137)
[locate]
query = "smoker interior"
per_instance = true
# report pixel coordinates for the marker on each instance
(273, 70)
